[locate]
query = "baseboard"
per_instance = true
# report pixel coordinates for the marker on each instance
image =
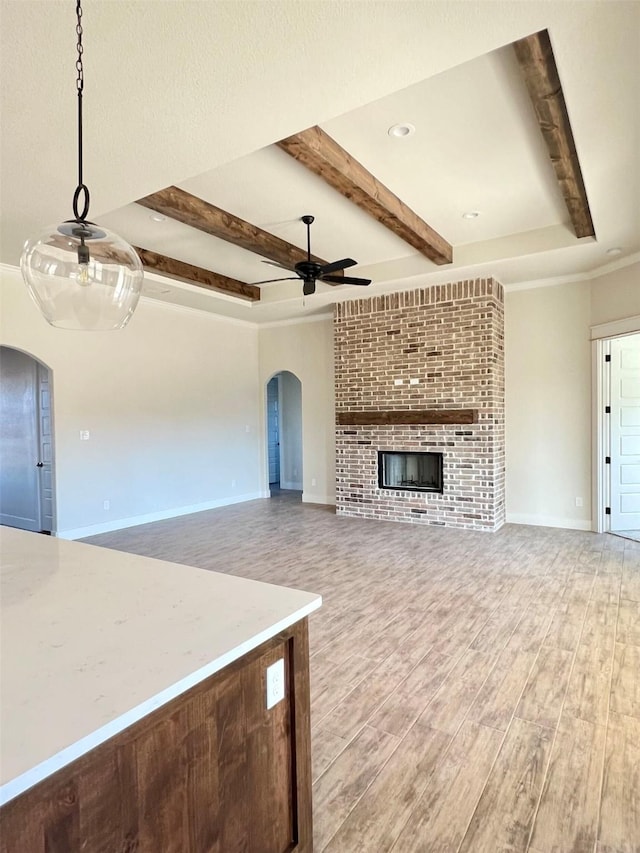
(307, 497)
(133, 521)
(312, 498)
(291, 484)
(548, 521)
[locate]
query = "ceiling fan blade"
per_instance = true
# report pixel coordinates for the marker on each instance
(338, 265)
(345, 279)
(274, 264)
(270, 280)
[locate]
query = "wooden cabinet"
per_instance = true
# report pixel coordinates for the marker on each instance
(210, 772)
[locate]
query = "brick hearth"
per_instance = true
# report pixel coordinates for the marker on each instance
(451, 339)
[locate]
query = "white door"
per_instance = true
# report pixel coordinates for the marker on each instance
(19, 441)
(625, 433)
(45, 462)
(273, 431)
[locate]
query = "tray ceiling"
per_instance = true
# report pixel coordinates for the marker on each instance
(477, 145)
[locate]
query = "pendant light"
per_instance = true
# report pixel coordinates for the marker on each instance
(80, 275)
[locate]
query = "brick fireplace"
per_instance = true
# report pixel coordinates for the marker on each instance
(422, 371)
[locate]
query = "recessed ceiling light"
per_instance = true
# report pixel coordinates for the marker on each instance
(401, 130)
(616, 250)
(157, 217)
(471, 214)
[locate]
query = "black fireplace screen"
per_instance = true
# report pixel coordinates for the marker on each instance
(415, 472)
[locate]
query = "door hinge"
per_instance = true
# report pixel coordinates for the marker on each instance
(607, 460)
(607, 357)
(607, 510)
(607, 410)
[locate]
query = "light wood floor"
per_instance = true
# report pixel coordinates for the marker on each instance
(471, 692)
(629, 534)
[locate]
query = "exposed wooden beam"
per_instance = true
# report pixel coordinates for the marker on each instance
(182, 206)
(207, 279)
(406, 416)
(538, 66)
(325, 158)
(107, 253)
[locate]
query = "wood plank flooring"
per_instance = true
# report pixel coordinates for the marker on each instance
(471, 692)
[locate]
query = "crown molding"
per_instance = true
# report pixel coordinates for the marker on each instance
(213, 295)
(173, 306)
(441, 277)
(297, 321)
(612, 266)
(589, 275)
(538, 283)
(169, 306)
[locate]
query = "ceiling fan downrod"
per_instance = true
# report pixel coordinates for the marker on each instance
(309, 270)
(308, 219)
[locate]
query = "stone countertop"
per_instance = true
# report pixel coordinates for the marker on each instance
(94, 639)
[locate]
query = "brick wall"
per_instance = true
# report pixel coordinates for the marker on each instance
(450, 338)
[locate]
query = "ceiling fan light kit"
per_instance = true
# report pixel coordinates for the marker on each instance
(80, 275)
(311, 272)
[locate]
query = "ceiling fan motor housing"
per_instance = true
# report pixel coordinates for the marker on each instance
(308, 269)
(311, 271)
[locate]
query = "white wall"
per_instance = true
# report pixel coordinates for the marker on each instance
(548, 391)
(169, 398)
(306, 349)
(172, 403)
(548, 415)
(290, 431)
(616, 295)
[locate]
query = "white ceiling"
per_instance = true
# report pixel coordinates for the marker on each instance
(195, 93)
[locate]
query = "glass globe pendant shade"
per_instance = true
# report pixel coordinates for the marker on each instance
(82, 276)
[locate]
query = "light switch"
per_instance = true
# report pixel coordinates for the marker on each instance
(275, 683)
(398, 381)
(84, 435)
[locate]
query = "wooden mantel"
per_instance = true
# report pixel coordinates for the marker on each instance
(407, 416)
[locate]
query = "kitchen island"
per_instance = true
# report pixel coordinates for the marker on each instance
(133, 713)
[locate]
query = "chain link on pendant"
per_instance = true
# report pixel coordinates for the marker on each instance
(79, 67)
(81, 189)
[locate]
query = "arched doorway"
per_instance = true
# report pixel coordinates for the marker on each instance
(27, 494)
(284, 434)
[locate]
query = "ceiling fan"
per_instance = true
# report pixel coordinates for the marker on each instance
(310, 272)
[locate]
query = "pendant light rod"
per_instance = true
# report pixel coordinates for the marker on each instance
(80, 275)
(82, 188)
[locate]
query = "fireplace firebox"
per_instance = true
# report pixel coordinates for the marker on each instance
(412, 472)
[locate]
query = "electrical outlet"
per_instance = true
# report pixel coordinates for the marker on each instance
(314, 482)
(275, 683)
(107, 504)
(579, 502)
(398, 381)
(414, 382)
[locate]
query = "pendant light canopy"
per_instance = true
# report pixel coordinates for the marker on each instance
(80, 275)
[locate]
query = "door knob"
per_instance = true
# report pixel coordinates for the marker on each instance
(40, 465)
